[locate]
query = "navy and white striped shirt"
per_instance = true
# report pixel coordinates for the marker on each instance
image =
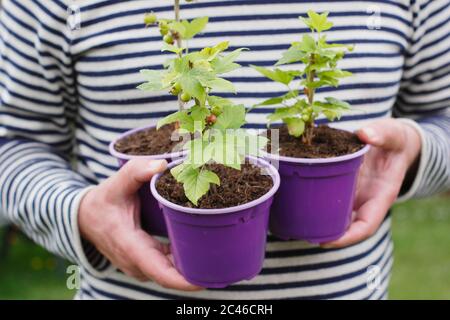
(67, 93)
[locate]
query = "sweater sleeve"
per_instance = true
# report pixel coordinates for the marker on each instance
(424, 98)
(39, 192)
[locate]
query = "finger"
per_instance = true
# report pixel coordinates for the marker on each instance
(125, 266)
(385, 133)
(135, 273)
(368, 219)
(133, 175)
(156, 265)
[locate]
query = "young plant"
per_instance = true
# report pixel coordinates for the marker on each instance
(299, 108)
(213, 121)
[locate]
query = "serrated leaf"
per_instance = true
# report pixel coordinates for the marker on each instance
(296, 126)
(209, 53)
(232, 117)
(338, 103)
(199, 152)
(171, 48)
(153, 80)
(278, 100)
(218, 101)
(337, 73)
(179, 27)
(192, 86)
(226, 64)
(317, 22)
(277, 75)
(221, 85)
(271, 101)
(308, 44)
(176, 171)
(194, 27)
(196, 182)
(250, 144)
(282, 113)
(199, 113)
(224, 149)
(171, 118)
(293, 54)
(324, 45)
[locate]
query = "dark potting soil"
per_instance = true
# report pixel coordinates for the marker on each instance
(236, 187)
(327, 142)
(148, 142)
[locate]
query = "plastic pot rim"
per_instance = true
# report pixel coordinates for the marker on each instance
(124, 156)
(273, 172)
(277, 157)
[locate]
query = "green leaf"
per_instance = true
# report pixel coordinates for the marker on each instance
(232, 117)
(171, 48)
(179, 27)
(199, 113)
(283, 113)
(332, 108)
(208, 54)
(293, 54)
(323, 44)
(338, 103)
(196, 182)
(317, 22)
(271, 101)
(277, 75)
(278, 100)
(218, 101)
(250, 144)
(154, 80)
(336, 73)
(308, 44)
(176, 171)
(199, 152)
(194, 27)
(225, 149)
(171, 118)
(192, 86)
(221, 85)
(296, 126)
(226, 64)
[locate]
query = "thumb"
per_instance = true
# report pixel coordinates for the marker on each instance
(133, 175)
(385, 133)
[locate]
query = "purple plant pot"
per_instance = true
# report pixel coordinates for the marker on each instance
(214, 248)
(152, 219)
(315, 199)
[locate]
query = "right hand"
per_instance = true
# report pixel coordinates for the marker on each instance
(109, 218)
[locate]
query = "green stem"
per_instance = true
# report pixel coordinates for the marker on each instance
(176, 9)
(309, 130)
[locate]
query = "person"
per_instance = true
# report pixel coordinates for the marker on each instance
(68, 89)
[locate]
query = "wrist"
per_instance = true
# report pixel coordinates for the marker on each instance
(413, 142)
(84, 211)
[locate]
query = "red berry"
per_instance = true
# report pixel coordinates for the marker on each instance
(211, 119)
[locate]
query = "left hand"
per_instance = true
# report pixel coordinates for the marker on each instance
(395, 149)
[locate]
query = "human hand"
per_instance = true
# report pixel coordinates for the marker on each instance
(395, 149)
(109, 218)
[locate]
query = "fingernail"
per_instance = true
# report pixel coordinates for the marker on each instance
(156, 164)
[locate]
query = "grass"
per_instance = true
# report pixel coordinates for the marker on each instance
(421, 231)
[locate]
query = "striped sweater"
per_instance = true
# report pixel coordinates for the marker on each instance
(68, 72)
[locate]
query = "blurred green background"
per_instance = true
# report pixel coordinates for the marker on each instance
(421, 232)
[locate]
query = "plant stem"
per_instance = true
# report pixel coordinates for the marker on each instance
(309, 130)
(176, 9)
